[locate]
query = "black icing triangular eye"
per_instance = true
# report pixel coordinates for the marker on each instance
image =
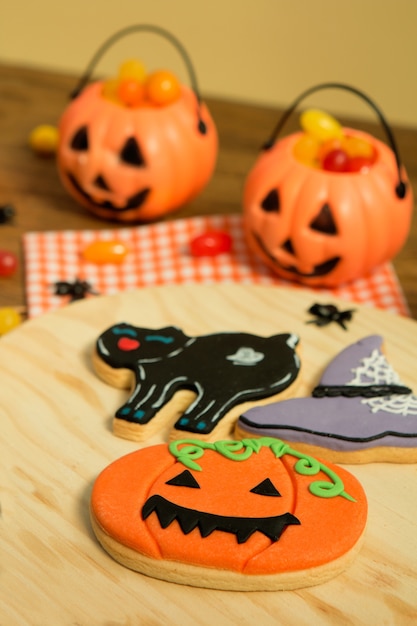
(266, 488)
(324, 222)
(185, 479)
(131, 153)
(271, 202)
(79, 141)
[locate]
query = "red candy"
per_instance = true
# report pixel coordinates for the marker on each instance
(360, 164)
(336, 161)
(8, 263)
(211, 243)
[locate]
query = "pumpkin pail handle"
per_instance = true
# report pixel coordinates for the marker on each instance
(401, 188)
(150, 28)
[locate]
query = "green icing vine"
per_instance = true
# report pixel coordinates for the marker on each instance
(188, 451)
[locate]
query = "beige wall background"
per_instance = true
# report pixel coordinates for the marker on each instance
(260, 51)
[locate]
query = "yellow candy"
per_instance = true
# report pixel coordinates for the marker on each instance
(320, 125)
(358, 147)
(109, 91)
(44, 139)
(306, 150)
(132, 70)
(101, 252)
(9, 319)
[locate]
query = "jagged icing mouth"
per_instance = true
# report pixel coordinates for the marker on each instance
(133, 202)
(242, 527)
(319, 270)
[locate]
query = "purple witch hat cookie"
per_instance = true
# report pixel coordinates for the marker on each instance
(359, 413)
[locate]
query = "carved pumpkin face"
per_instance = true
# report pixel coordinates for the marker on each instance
(324, 228)
(250, 508)
(135, 164)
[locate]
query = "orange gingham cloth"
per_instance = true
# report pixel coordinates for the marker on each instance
(159, 255)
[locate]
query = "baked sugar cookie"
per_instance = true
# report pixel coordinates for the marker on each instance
(240, 515)
(359, 413)
(197, 381)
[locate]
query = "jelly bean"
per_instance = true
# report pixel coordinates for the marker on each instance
(211, 243)
(8, 263)
(336, 161)
(162, 88)
(9, 319)
(131, 92)
(109, 90)
(359, 164)
(132, 69)
(328, 146)
(44, 140)
(359, 147)
(306, 150)
(320, 124)
(101, 252)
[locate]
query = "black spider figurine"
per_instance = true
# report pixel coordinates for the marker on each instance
(77, 290)
(7, 213)
(328, 313)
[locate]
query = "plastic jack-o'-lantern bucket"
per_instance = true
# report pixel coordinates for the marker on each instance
(325, 228)
(137, 148)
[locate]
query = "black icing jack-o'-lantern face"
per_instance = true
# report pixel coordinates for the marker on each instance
(206, 522)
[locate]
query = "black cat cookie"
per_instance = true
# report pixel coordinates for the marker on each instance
(194, 383)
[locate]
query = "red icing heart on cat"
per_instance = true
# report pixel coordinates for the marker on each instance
(127, 344)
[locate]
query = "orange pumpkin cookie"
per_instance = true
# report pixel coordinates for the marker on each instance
(198, 381)
(241, 515)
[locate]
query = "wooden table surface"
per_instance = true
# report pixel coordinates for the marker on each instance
(56, 437)
(30, 97)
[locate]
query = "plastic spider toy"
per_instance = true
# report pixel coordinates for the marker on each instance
(77, 290)
(327, 313)
(7, 213)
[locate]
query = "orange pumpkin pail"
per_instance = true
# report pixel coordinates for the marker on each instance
(133, 150)
(326, 228)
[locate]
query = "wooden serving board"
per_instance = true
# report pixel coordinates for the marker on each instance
(55, 438)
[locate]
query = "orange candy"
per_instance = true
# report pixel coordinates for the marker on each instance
(131, 92)
(162, 88)
(358, 147)
(101, 252)
(132, 88)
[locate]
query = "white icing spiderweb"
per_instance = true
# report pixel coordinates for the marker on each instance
(375, 370)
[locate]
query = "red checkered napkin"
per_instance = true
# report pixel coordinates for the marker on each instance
(159, 255)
